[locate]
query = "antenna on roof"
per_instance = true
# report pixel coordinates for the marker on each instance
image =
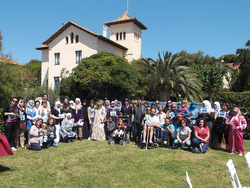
(127, 6)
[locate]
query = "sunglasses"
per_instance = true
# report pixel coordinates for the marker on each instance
(157, 103)
(14, 100)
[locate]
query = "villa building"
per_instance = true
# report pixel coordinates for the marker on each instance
(72, 42)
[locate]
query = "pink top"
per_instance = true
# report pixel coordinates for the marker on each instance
(202, 132)
(237, 121)
(183, 111)
(34, 134)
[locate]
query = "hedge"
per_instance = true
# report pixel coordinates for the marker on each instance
(237, 99)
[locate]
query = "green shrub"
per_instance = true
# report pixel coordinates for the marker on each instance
(237, 99)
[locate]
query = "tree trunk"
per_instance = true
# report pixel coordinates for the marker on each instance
(210, 94)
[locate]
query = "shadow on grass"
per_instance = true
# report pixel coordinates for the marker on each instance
(4, 169)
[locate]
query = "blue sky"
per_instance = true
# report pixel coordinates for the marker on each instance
(216, 27)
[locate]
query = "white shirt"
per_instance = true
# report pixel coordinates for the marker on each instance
(151, 120)
(162, 117)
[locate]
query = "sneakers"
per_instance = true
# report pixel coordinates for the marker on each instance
(200, 147)
(240, 154)
(89, 138)
(144, 141)
(150, 141)
(13, 148)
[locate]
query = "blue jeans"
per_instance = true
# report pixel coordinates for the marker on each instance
(35, 146)
(50, 140)
(91, 126)
(196, 142)
(187, 143)
(137, 131)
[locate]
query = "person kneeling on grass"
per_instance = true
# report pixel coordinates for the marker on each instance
(51, 130)
(150, 120)
(202, 134)
(35, 136)
(183, 134)
(66, 132)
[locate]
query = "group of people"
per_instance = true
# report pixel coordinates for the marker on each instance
(37, 124)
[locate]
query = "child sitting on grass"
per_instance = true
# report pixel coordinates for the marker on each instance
(119, 130)
(44, 137)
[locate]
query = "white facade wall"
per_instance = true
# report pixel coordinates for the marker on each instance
(132, 41)
(88, 44)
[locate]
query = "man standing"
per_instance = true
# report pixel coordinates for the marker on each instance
(11, 115)
(139, 110)
(45, 98)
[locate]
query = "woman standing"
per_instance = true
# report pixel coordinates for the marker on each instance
(32, 115)
(202, 134)
(85, 128)
(77, 115)
(98, 132)
(91, 114)
(207, 113)
(44, 111)
(237, 123)
(20, 138)
(56, 113)
(35, 136)
(66, 106)
(221, 127)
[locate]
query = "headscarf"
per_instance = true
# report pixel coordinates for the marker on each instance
(30, 106)
(78, 106)
(56, 104)
(73, 106)
(207, 105)
(66, 119)
(218, 106)
(107, 106)
(190, 109)
(237, 117)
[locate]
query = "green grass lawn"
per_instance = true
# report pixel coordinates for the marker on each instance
(97, 164)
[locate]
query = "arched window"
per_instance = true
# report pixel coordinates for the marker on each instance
(124, 35)
(77, 38)
(120, 35)
(72, 37)
(67, 40)
(117, 36)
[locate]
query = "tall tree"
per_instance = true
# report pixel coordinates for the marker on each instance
(34, 69)
(102, 75)
(169, 75)
(244, 58)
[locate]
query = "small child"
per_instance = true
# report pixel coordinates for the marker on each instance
(110, 126)
(119, 129)
(181, 112)
(44, 137)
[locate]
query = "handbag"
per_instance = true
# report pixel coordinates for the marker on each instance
(22, 125)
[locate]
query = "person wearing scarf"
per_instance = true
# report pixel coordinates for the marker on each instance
(56, 113)
(217, 109)
(207, 113)
(237, 123)
(35, 136)
(20, 138)
(32, 115)
(107, 105)
(11, 113)
(77, 116)
(193, 113)
(66, 106)
(85, 128)
(66, 132)
(113, 112)
(98, 132)
(44, 111)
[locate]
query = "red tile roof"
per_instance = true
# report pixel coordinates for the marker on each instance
(68, 24)
(125, 18)
(10, 61)
(233, 66)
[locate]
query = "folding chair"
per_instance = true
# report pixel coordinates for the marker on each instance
(233, 175)
(188, 182)
(247, 156)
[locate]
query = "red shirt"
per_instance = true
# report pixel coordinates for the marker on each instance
(201, 132)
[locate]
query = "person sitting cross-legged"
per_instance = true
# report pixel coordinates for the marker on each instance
(202, 134)
(183, 134)
(150, 120)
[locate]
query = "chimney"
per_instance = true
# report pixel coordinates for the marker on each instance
(104, 31)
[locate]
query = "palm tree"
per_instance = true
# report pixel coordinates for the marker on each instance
(171, 75)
